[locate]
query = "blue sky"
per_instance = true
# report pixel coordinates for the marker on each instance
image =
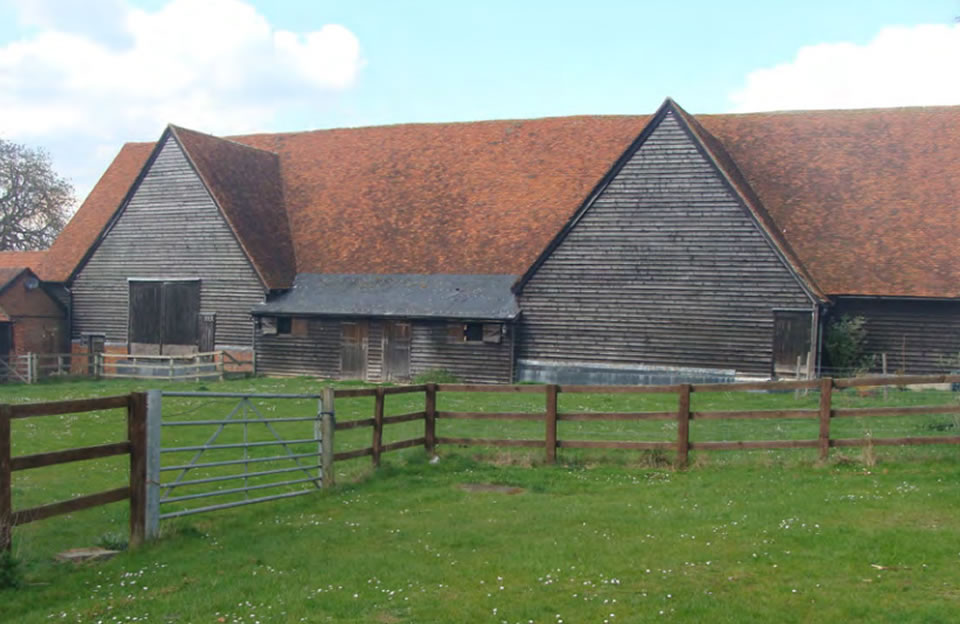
(80, 78)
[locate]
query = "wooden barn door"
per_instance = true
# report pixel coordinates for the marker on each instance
(791, 340)
(396, 352)
(353, 349)
(164, 317)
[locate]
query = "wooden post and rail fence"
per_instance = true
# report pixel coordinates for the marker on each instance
(135, 446)
(683, 415)
(143, 427)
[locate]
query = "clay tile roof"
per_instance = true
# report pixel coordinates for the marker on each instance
(864, 202)
(246, 183)
(455, 198)
(868, 199)
(94, 214)
(20, 260)
(8, 274)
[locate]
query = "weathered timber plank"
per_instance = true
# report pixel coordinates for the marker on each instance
(667, 389)
(755, 414)
(400, 418)
(72, 406)
(895, 411)
(614, 444)
(353, 424)
(396, 446)
(630, 416)
(348, 393)
(906, 441)
(39, 460)
(42, 512)
(537, 416)
(505, 388)
(342, 455)
(491, 442)
(753, 444)
(898, 380)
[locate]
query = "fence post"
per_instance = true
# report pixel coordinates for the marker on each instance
(377, 427)
(154, 443)
(885, 386)
(551, 418)
(683, 425)
(29, 368)
(430, 419)
(826, 391)
(6, 495)
(59, 365)
(97, 365)
(137, 434)
(328, 424)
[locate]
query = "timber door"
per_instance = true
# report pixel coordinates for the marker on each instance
(208, 332)
(163, 317)
(791, 342)
(396, 351)
(353, 349)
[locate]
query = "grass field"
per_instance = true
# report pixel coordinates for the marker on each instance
(614, 536)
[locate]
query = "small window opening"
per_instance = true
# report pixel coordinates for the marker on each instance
(284, 324)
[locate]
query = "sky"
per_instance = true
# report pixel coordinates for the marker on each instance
(78, 78)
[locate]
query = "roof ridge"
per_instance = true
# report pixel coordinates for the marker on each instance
(175, 129)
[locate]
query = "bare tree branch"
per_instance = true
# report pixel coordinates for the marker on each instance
(34, 200)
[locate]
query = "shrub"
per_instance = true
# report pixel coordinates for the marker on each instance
(845, 342)
(436, 375)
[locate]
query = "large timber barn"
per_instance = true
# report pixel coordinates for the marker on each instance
(607, 249)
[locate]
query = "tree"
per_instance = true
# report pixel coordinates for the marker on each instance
(34, 200)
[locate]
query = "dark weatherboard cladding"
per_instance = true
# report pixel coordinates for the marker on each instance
(170, 230)
(666, 268)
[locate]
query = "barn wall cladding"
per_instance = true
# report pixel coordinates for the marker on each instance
(666, 268)
(170, 229)
(918, 337)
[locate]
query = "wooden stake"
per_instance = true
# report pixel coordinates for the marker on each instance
(683, 425)
(430, 419)
(377, 428)
(6, 495)
(826, 390)
(551, 423)
(137, 435)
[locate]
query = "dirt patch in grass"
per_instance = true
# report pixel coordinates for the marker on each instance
(491, 488)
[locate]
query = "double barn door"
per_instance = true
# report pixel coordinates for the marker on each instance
(367, 346)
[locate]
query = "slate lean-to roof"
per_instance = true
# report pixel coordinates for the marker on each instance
(487, 297)
(865, 201)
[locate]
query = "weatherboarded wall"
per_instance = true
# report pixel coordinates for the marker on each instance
(316, 351)
(474, 362)
(666, 269)
(170, 229)
(917, 336)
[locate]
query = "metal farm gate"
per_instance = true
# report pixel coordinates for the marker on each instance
(273, 444)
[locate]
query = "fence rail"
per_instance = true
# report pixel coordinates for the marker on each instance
(682, 415)
(135, 446)
(144, 449)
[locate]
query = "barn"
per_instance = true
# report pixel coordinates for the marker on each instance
(610, 249)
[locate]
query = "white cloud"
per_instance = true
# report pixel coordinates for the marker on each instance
(899, 67)
(86, 81)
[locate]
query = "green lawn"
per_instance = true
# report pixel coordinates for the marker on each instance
(606, 535)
